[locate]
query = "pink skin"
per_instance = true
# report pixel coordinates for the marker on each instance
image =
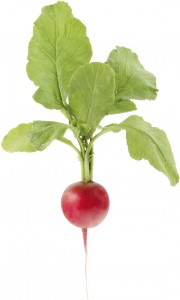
(85, 204)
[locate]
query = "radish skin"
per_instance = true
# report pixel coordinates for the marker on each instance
(85, 205)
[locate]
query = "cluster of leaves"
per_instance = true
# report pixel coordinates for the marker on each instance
(85, 92)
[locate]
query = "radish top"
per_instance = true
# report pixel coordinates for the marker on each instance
(59, 64)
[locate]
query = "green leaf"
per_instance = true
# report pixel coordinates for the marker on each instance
(122, 106)
(150, 143)
(43, 133)
(132, 80)
(58, 47)
(48, 99)
(91, 94)
(16, 140)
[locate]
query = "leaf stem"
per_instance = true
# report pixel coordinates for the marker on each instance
(103, 131)
(69, 143)
(81, 146)
(88, 157)
(91, 162)
(87, 163)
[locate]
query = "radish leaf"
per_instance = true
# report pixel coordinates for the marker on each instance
(58, 47)
(43, 133)
(33, 136)
(91, 94)
(16, 140)
(122, 106)
(150, 143)
(132, 80)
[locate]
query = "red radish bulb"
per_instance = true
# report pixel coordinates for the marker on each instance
(85, 204)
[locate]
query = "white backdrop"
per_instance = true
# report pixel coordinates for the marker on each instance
(134, 254)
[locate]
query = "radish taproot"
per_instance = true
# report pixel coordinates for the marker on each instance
(59, 55)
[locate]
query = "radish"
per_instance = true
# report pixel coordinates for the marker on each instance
(85, 205)
(85, 92)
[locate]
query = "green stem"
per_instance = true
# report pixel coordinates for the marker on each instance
(88, 158)
(69, 143)
(91, 162)
(86, 168)
(97, 136)
(85, 155)
(87, 164)
(81, 146)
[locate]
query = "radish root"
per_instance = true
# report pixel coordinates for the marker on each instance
(84, 231)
